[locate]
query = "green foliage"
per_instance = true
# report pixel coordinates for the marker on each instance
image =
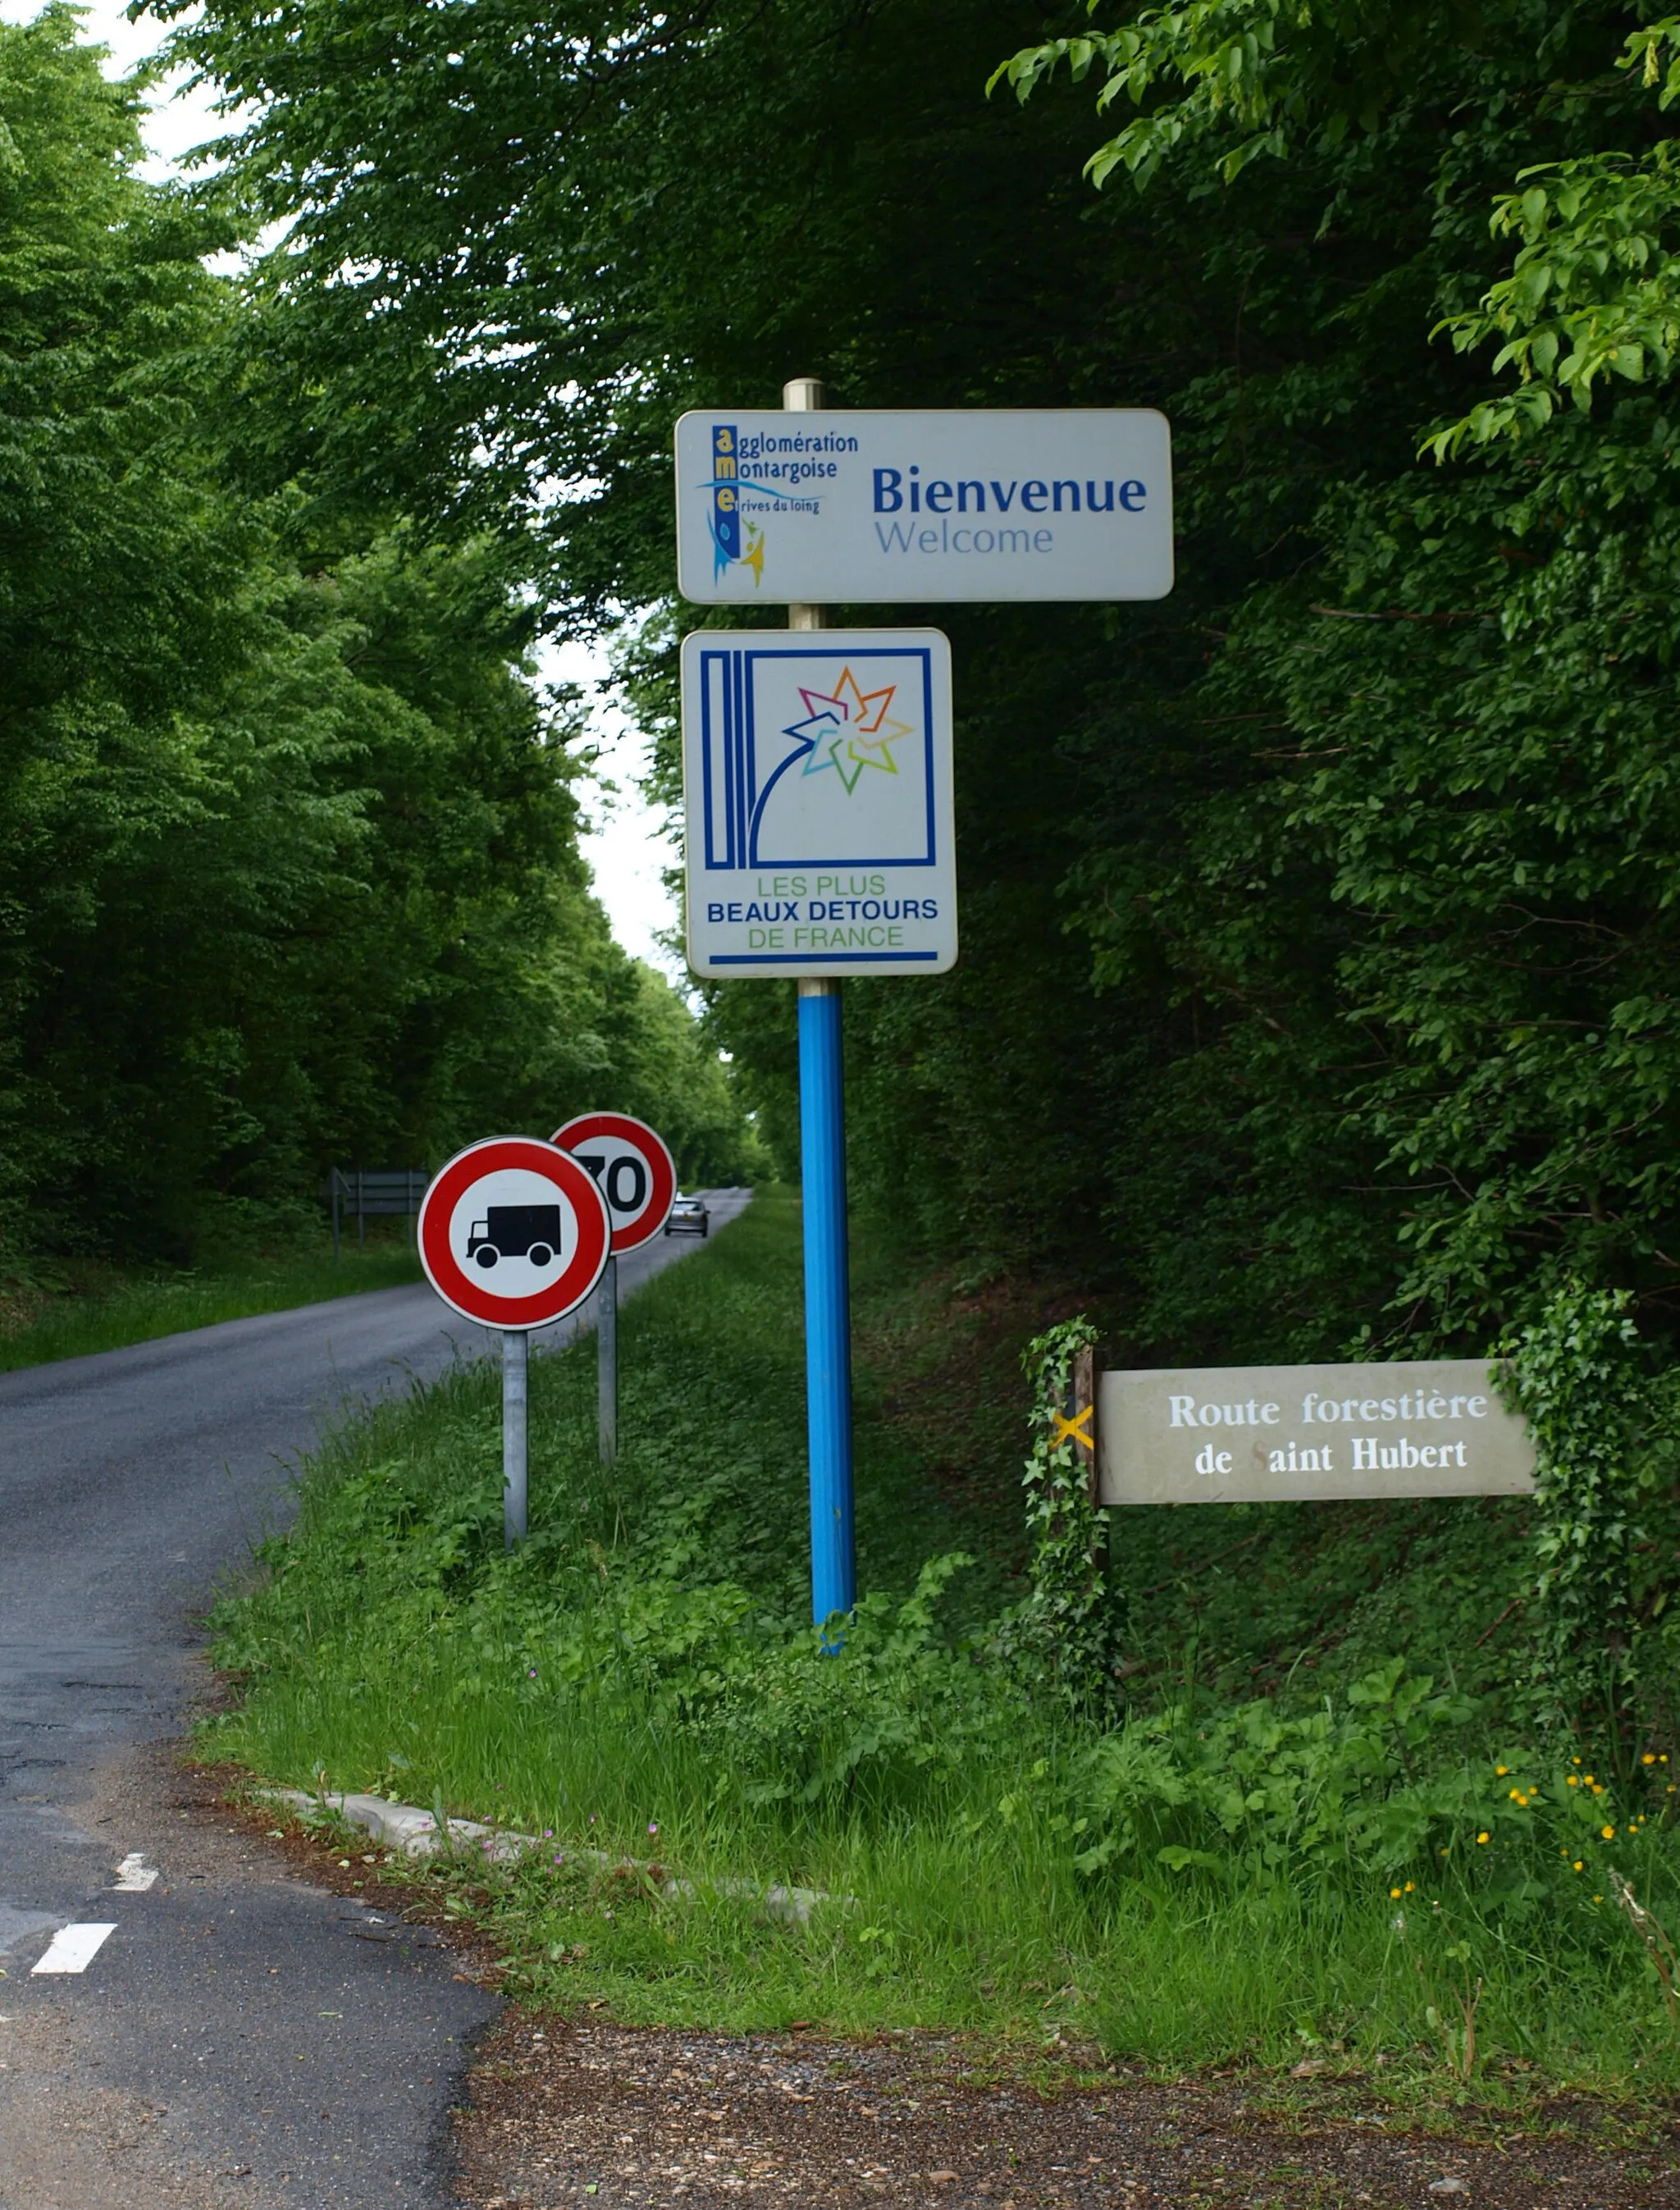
(1065, 1629)
(1604, 1440)
(1215, 1875)
(1256, 1791)
(1280, 75)
(1453, 787)
(1591, 293)
(288, 863)
(67, 1312)
(1315, 922)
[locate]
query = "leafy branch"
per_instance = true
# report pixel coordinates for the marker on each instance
(1594, 293)
(1275, 72)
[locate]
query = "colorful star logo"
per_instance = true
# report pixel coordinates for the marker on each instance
(849, 729)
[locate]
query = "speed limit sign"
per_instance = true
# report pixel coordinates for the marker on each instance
(630, 1166)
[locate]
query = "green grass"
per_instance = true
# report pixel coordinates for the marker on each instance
(117, 1312)
(640, 1678)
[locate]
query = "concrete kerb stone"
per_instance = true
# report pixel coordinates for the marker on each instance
(416, 1833)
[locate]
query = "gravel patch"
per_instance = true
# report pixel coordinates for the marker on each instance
(590, 2112)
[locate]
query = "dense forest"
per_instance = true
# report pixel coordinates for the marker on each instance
(1317, 983)
(291, 871)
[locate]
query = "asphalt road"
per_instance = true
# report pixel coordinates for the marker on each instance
(239, 2038)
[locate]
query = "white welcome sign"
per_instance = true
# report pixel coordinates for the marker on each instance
(1230, 1434)
(889, 505)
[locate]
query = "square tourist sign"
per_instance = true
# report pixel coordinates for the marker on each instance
(817, 792)
(876, 508)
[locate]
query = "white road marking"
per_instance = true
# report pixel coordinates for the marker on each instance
(73, 1948)
(134, 1874)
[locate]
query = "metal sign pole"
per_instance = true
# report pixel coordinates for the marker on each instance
(828, 1314)
(514, 1459)
(828, 1297)
(607, 1360)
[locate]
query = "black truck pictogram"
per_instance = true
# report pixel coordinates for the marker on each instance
(515, 1231)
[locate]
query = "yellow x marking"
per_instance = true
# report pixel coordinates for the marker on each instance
(1075, 1430)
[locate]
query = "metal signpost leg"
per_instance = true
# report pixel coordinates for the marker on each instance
(515, 1371)
(607, 1360)
(828, 1330)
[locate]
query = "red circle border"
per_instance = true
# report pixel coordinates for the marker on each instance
(513, 1314)
(628, 1129)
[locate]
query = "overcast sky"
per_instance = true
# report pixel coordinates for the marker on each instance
(625, 843)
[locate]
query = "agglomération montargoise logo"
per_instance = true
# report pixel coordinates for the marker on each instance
(759, 474)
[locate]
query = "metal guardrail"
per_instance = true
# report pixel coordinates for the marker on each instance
(372, 1189)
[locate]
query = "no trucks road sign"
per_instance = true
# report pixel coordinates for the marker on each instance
(630, 1166)
(817, 786)
(513, 1233)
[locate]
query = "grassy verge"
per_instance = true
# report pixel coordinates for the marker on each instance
(109, 1311)
(1221, 1875)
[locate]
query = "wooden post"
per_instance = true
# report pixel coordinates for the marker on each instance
(1084, 1379)
(1082, 1411)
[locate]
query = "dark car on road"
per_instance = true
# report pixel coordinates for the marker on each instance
(688, 1217)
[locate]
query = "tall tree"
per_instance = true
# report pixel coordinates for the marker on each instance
(288, 859)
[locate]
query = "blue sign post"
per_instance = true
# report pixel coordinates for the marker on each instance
(817, 784)
(828, 1297)
(818, 787)
(817, 772)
